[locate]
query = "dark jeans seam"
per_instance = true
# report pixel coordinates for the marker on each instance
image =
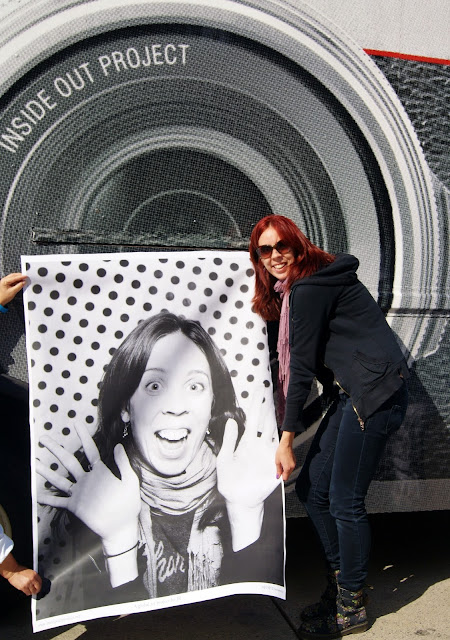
(313, 494)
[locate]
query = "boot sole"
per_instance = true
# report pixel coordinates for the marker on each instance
(357, 628)
(323, 614)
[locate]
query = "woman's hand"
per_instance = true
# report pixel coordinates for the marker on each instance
(109, 506)
(285, 457)
(246, 474)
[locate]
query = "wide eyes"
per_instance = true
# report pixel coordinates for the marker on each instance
(155, 387)
(197, 387)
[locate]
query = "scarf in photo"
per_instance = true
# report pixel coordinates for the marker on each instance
(191, 491)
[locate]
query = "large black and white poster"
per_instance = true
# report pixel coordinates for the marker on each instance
(153, 433)
(179, 125)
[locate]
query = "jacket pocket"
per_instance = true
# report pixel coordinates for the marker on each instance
(369, 370)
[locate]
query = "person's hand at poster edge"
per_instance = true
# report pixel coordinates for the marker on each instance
(285, 457)
(20, 577)
(10, 286)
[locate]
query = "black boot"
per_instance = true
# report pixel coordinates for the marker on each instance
(350, 618)
(327, 603)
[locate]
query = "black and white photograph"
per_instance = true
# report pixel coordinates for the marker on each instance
(150, 135)
(150, 417)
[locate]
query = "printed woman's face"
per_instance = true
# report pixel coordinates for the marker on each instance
(171, 409)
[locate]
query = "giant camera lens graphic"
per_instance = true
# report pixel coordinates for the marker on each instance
(180, 125)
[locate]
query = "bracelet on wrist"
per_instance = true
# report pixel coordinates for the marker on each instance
(115, 555)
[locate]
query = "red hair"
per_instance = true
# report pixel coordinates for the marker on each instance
(308, 259)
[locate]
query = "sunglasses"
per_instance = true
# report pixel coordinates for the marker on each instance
(265, 250)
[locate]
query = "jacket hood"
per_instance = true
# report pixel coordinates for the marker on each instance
(340, 272)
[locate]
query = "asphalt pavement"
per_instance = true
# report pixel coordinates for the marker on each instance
(409, 593)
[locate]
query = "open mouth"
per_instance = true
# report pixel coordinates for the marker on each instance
(172, 441)
(172, 435)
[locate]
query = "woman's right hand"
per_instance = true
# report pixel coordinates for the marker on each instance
(285, 457)
(109, 506)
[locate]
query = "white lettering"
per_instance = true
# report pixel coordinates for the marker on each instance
(184, 48)
(161, 567)
(21, 125)
(117, 57)
(105, 62)
(12, 138)
(167, 567)
(167, 48)
(5, 146)
(170, 567)
(36, 109)
(133, 58)
(27, 116)
(46, 100)
(147, 62)
(85, 67)
(25, 128)
(62, 87)
(75, 79)
(157, 54)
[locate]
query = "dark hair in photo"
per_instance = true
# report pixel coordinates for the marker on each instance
(308, 258)
(127, 366)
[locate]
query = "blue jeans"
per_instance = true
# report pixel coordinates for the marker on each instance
(334, 480)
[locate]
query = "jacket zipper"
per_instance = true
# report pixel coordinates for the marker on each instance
(360, 420)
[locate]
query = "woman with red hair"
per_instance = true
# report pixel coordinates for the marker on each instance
(328, 319)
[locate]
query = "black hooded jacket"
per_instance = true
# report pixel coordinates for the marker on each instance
(334, 321)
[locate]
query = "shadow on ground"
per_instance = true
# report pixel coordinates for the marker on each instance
(410, 555)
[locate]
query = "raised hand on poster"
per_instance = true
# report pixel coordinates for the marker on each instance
(94, 495)
(246, 474)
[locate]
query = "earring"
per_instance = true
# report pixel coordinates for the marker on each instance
(125, 429)
(208, 431)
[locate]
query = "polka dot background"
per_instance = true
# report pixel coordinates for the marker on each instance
(79, 308)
